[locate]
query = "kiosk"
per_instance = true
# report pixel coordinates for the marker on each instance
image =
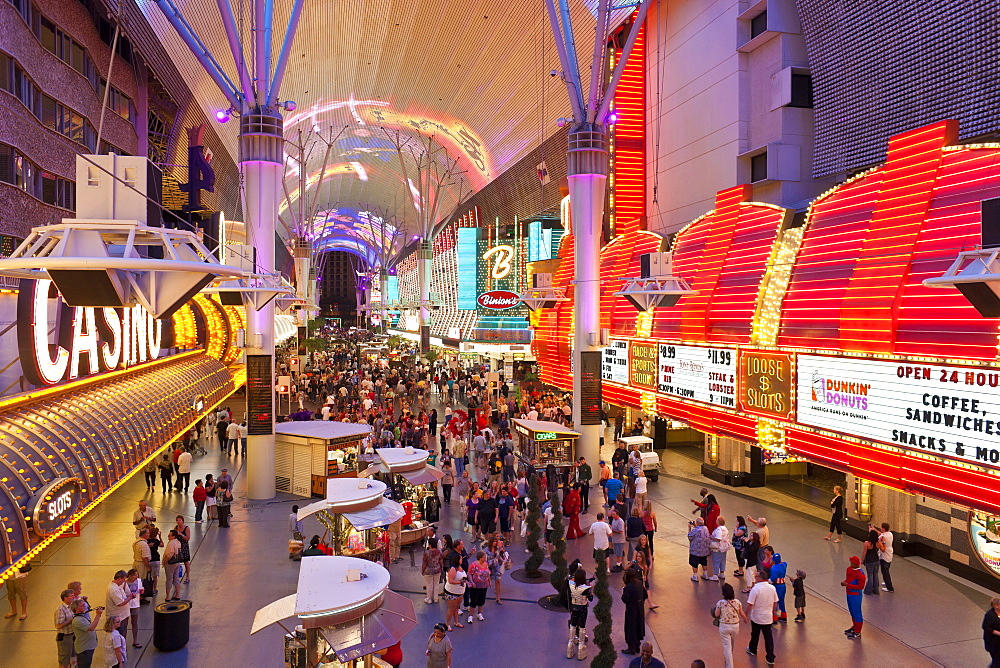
(346, 613)
(307, 454)
(409, 476)
(541, 443)
(353, 512)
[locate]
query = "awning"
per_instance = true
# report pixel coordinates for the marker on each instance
(272, 613)
(378, 630)
(386, 512)
(423, 476)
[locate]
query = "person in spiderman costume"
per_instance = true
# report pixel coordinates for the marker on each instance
(855, 583)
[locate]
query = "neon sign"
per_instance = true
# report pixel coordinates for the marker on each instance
(502, 264)
(545, 436)
(111, 339)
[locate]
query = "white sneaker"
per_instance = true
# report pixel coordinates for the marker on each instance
(470, 619)
(713, 578)
(480, 617)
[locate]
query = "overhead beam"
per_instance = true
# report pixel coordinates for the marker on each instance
(286, 48)
(229, 23)
(609, 93)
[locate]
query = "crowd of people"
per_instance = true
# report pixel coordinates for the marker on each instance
(488, 485)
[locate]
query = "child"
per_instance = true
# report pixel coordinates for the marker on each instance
(799, 590)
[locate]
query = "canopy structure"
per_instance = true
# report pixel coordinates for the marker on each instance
(348, 602)
(411, 463)
(444, 69)
(360, 500)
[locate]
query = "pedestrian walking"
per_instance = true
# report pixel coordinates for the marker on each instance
(166, 472)
(184, 536)
(699, 547)
(884, 544)
(572, 506)
(430, 568)
(761, 605)
(447, 481)
(149, 473)
(601, 531)
(870, 558)
(133, 584)
(199, 496)
(729, 612)
(183, 471)
(143, 517)
(155, 543)
(584, 476)
(647, 660)
(604, 476)
(991, 632)
(634, 529)
(454, 590)
(211, 489)
(499, 560)
(618, 541)
(479, 582)
(739, 540)
(649, 525)
(855, 584)
(84, 631)
(439, 648)
(634, 596)
(17, 590)
(223, 501)
(115, 654)
(118, 599)
(720, 545)
(751, 553)
(172, 557)
(64, 628)
(296, 527)
(777, 572)
(581, 593)
(799, 591)
(837, 514)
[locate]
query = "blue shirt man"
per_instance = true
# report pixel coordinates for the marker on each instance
(614, 487)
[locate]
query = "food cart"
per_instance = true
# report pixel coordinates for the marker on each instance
(541, 443)
(346, 610)
(353, 513)
(409, 477)
(307, 454)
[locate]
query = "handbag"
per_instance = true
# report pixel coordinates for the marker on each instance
(715, 620)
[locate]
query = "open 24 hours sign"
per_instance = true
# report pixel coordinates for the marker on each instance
(951, 411)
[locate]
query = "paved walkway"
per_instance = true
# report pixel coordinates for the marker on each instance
(930, 619)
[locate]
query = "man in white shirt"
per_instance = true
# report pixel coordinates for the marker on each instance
(183, 470)
(601, 532)
(762, 606)
(232, 437)
(885, 556)
(533, 414)
(118, 600)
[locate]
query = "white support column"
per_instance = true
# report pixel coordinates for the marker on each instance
(261, 146)
(424, 268)
(588, 178)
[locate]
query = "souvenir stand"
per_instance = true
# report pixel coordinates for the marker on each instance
(309, 453)
(346, 613)
(542, 443)
(409, 476)
(353, 513)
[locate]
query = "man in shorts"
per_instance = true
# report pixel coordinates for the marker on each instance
(617, 540)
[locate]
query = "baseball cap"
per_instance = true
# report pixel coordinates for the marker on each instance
(855, 561)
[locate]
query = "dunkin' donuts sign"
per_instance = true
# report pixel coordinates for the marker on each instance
(499, 299)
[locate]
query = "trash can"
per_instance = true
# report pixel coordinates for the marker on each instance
(171, 625)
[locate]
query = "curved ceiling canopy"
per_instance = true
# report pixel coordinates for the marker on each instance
(370, 75)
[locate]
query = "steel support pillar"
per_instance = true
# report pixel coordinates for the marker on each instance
(425, 257)
(261, 150)
(588, 165)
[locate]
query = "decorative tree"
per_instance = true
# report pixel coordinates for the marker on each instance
(602, 613)
(533, 564)
(432, 355)
(558, 555)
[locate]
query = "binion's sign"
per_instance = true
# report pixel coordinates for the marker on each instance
(88, 340)
(499, 299)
